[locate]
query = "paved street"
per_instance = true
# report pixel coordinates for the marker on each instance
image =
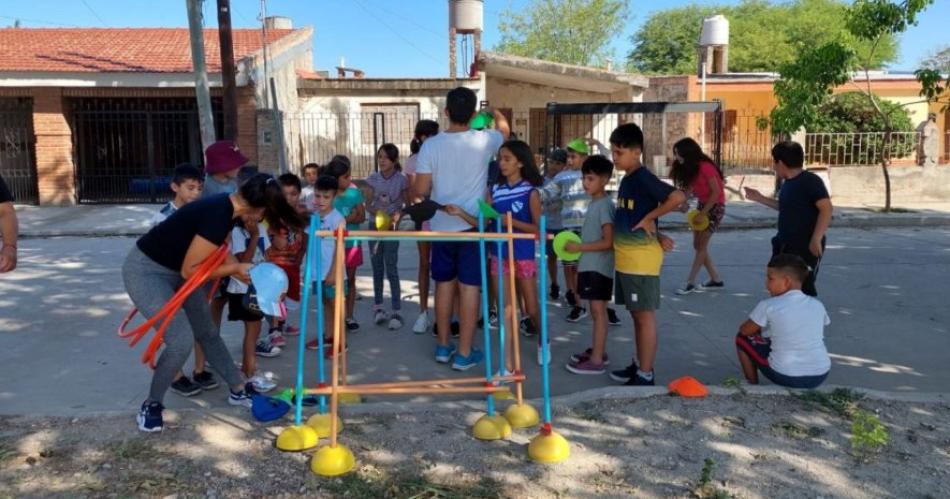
(885, 290)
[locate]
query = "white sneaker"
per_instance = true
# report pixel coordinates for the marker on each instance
(262, 383)
(380, 317)
(422, 323)
(546, 352)
(395, 321)
(500, 373)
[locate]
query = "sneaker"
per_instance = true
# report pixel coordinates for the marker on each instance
(261, 383)
(243, 397)
(577, 313)
(276, 338)
(570, 298)
(492, 320)
(291, 331)
(638, 380)
(500, 373)
(454, 329)
(585, 367)
(546, 351)
(463, 363)
(205, 380)
(624, 375)
(265, 349)
(612, 317)
(555, 292)
(149, 417)
(351, 325)
(395, 321)
(714, 284)
(380, 317)
(422, 323)
(585, 355)
(185, 387)
(443, 354)
(527, 327)
(687, 289)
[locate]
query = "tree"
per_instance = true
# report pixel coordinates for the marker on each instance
(851, 113)
(567, 31)
(939, 60)
(806, 83)
(763, 36)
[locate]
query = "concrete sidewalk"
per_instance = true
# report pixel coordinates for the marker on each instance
(133, 219)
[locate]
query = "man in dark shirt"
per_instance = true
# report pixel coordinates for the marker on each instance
(8, 229)
(804, 210)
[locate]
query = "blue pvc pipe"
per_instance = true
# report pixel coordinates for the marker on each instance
(490, 399)
(321, 376)
(302, 341)
(545, 359)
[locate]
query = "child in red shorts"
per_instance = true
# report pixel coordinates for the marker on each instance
(287, 251)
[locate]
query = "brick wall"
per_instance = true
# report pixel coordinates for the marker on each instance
(247, 123)
(54, 148)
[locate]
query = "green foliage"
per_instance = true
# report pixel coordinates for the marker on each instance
(868, 434)
(707, 489)
(763, 36)
(853, 112)
(567, 31)
(806, 84)
(840, 401)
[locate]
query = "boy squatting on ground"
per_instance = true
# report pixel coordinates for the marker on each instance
(596, 267)
(187, 184)
(784, 335)
(638, 247)
(804, 210)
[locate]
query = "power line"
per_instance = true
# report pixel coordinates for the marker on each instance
(413, 22)
(38, 21)
(396, 32)
(103, 23)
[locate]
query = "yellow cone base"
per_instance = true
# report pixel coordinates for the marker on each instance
(349, 398)
(297, 438)
(491, 428)
(505, 395)
(522, 416)
(332, 461)
(321, 424)
(548, 447)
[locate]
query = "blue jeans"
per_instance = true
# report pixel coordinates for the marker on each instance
(385, 258)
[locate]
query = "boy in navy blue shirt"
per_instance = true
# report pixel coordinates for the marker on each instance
(804, 210)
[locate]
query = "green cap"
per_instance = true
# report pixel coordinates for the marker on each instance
(579, 146)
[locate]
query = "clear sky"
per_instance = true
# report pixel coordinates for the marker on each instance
(385, 38)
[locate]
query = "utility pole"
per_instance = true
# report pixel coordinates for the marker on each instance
(227, 69)
(205, 118)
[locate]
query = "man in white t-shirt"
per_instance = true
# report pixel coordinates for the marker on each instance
(452, 168)
(784, 335)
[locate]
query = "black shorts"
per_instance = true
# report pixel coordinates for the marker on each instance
(594, 286)
(238, 312)
(549, 243)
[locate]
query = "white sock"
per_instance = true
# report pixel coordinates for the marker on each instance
(645, 375)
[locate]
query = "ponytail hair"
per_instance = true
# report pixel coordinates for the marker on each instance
(391, 152)
(424, 130)
(263, 191)
(337, 167)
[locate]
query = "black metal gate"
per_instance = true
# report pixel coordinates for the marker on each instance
(126, 148)
(18, 148)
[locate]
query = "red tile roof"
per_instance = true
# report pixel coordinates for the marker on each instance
(123, 50)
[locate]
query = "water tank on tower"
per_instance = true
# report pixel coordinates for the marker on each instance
(466, 19)
(714, 45)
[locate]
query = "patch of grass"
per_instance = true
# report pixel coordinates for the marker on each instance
(840, 401)
(707, 489)
(409, 485)
(795, 430)
(868, 434)
(7, 451)
(732, 382)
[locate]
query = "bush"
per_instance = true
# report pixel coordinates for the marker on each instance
(852, 113)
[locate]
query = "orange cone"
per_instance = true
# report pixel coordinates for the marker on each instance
(688, 386)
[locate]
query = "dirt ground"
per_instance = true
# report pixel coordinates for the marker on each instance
(734, 445)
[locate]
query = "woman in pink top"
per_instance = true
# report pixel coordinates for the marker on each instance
(695, 172)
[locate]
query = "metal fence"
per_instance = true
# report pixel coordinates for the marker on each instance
(746, 144)
(859, 149)
(126, 148)
(18, 148)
